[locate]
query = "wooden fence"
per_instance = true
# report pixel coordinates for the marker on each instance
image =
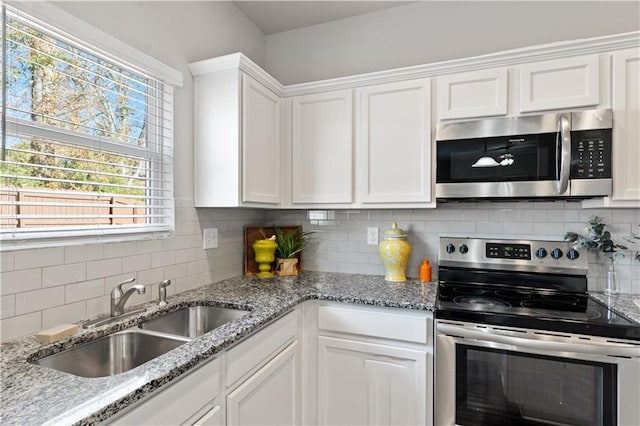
(105, 206)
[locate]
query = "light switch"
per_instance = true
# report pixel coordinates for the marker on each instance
(210, 238)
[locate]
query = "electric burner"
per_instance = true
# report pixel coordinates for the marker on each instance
(482, 303)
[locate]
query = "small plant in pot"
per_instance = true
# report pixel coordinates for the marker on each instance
(289, 245)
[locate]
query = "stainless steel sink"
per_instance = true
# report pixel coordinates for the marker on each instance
(193, 321)
(113, 354)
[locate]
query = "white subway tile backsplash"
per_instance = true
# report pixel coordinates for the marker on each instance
(136, 263)
(6, 261)
(7, 306)
(21, 325)
(20, 281)
(104, 268)
(158, 260)
(84, 290)
(84, 253)
(27, 259)
(120, 249)
(64, 314)
(39, 300)
(98, 306)
(64, 274)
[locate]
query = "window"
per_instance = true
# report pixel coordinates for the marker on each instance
(86, 138)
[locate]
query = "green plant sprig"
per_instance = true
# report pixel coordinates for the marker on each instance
(290, 243)
(596, 238)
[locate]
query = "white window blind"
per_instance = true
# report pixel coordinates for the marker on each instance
(86, 138)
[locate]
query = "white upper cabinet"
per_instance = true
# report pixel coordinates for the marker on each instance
(322, 148)
(238, 125)
(472, 94)
(626, 124)
(560, 83)
(394, 142)
(261, 141)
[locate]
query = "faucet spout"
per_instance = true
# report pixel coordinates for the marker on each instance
(120, 297)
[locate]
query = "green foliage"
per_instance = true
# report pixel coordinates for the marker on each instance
(596, 238)
(290, 243)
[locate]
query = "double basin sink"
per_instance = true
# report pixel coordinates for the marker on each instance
(130, 348)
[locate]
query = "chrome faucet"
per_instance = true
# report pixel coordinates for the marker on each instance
(163, 292)
(119, 297)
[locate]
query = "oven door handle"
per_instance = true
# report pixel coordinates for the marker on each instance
(611, 348)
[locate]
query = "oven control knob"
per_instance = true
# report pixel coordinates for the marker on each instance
(541, 253)
(556, 253)
(464, 249)
(450, 248)
(573, 254)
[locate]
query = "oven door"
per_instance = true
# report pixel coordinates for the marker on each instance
(505, 376)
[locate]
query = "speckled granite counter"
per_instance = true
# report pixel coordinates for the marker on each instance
(621, 303)
(31, 394)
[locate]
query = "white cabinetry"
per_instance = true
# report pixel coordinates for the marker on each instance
(237, 152)
(374, 366)
(472, 94)
(264, 376)
(193, 398)
(560, 83)
(626, 124)
(322, 148)
(261, 141)
(394, 142)
(269, 396)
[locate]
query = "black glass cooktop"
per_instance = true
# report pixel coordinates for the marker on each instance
(531, 308)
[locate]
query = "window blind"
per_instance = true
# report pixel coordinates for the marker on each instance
(86, 138)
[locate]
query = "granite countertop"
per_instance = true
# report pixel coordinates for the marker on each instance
(621, 303)
(31, 394)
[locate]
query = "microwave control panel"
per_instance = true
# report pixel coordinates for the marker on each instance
(591, 154)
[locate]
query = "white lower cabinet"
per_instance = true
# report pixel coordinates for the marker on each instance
(187, 401)
(374, 366)
(270, 396)
(370, 384)
(362, 366)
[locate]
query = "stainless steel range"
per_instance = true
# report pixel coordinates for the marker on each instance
(519, 340)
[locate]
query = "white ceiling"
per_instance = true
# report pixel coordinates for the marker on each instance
(278, 16)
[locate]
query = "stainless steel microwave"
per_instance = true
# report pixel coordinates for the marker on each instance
(563, 155)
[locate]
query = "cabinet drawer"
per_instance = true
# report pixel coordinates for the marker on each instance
(179, 401)
(261, 347)
(405, 326)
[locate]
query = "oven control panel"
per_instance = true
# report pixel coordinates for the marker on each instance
(508, 251)
(538, 255)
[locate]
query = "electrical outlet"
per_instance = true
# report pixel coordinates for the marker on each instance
(372, 236)
(210, 238)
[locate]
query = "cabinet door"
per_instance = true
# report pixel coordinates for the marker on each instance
(560, 83)
(322, 148)
(261, 142)
(626, 125)
(271, 396)
(179, 401)
(212, 417)
(394, 142)
(472, 94)
(370, 384)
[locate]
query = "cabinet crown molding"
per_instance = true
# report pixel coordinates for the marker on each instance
(239, 61)
(541, 52)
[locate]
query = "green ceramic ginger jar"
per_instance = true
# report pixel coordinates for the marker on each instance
(395, 251)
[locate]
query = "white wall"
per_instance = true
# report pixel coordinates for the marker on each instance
(44, 288)
(429, 31)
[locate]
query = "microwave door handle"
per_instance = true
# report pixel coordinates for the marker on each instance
(565, 154)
